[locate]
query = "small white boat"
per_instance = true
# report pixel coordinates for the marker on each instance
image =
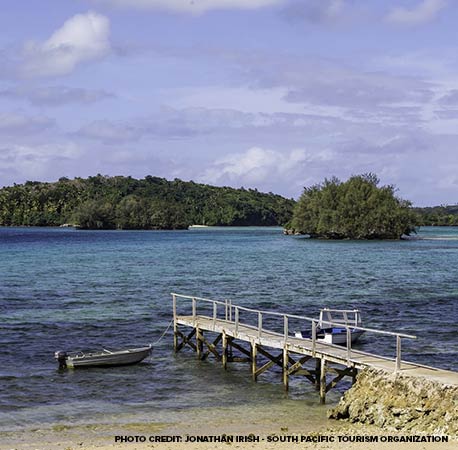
(102, 358)
(332, 326)
(197, 227)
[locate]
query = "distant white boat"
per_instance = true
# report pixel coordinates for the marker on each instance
(333, 333)
(193, 227)
(102, 358)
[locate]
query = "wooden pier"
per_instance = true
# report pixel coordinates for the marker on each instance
(233, 333)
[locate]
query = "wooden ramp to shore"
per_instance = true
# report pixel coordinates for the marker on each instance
(230, 333)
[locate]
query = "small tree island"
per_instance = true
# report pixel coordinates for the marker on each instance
(355, 209)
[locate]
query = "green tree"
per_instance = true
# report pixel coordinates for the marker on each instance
(355, 209)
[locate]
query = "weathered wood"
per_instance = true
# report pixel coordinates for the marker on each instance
(323, 381)
(285, 328)
(354, 375)
(265, 367)
(253, 361)
(296, 369)
(198, 342)
(317, 372)
(297, 364)
(240, 349)
(398, 353)
(186, 340)
(211, 347)
(285, 368)
(341, 373)
(275, 359)
(224, 349)
(175, 336)
(348, 345)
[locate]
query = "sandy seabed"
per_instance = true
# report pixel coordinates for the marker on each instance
(269, 427)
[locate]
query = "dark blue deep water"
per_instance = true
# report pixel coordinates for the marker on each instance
(71, 289)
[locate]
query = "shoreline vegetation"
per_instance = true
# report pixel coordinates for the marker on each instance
(152, 203)
(355, 209)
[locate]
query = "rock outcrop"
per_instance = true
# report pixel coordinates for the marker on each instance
(400, 402)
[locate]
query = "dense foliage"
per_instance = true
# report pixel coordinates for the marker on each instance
(355, 209)
(438, 215)
(102, 202)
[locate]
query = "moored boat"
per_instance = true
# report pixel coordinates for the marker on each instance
(102, 358)
(333, 324)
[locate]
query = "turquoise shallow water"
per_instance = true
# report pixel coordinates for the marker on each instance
(70, 289)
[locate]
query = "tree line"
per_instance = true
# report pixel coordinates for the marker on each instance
(102, 202)
(355, 209)
(438, 215)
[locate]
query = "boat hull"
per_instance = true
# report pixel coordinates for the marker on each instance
(104, 358)
(340, 338)
(336, 336)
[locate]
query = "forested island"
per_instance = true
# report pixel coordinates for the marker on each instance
(357, 209)
(438, 215)
(103, 202)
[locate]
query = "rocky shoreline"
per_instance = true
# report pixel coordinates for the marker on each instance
(397, 402)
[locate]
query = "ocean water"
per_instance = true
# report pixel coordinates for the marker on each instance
(66, 289)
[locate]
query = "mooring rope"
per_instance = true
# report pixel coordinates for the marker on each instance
(164, 333)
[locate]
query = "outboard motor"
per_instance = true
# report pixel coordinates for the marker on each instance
(61, 359)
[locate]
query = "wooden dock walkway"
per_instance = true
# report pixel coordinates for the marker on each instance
(231, 333)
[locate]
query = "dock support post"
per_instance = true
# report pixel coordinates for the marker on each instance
(254, 352)
(398, 354)
(199, 346)
(224, 350)
(323, 381)
(317, 372)
(175, 336)
(285, 368)
(353, 375)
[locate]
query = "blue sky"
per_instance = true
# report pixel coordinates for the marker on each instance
(268, 94)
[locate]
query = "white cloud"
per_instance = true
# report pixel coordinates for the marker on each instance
(260, 167)
(18, 124)
(191, 6)
(37, 162)
(82, 38)
(425, 11)
(55, 95)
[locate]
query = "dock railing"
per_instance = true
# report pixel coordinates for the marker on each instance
(225, 310)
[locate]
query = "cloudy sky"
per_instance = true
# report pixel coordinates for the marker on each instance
(268, 94)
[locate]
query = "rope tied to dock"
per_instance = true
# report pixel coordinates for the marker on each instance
(163, 334)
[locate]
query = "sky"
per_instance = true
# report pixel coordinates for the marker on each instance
(275, 95)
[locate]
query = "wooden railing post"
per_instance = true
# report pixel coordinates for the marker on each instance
(230, 310)
(194, 308)
(215, 312)
(174, 303)
(285, 327)
(236, 320)
(313, 337)
(398, 353)
(259, 323)
(226, 312)
(348, 345)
